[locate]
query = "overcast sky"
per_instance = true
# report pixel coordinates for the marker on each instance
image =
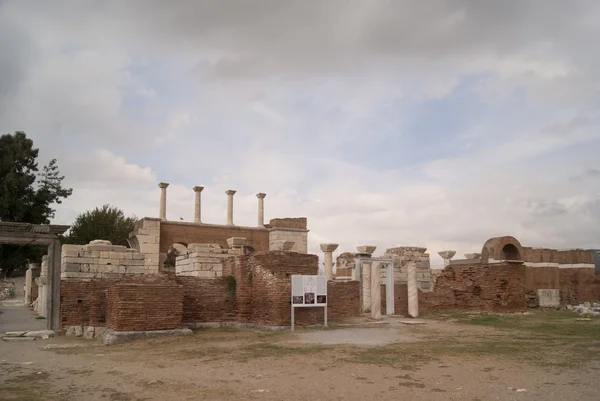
(431, 123)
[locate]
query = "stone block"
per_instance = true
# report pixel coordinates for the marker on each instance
(89, 332)
(548, 298)
(236, 242)
(78, 331)
(71, 267)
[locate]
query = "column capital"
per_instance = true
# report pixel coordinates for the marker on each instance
(261, 195)
(198, 189)
(163, 184)
(366, 249)
(447, 254)
(230, 192)
(329, 247)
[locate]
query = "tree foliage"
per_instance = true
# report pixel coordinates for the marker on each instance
(26, 195)
(107, 223)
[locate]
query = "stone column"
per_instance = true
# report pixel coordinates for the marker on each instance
(328, 250)
(447, 255)
(197, 208)
(473, 256)
(375, 291)
(230, 194)
(27, 295)
(163, 200)
(413, 293)
(261, 209)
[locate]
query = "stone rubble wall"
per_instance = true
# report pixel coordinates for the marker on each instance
(402, 256)
(101, 259)
(202, 260)
(145, 239)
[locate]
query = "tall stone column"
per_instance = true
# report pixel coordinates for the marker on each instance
(163, 200)
(328, 250)
(375, 291)
(413, 293)
(261, 209)
(230, 194)
(197, 204)
(447, 256)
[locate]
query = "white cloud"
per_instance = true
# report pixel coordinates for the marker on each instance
(323, 116)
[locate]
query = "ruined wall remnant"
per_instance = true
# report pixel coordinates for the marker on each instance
(101, 259)
(190, 233)
(201, 260)
(402, 256)
(489, 288)
(142, 306)
(289, 229)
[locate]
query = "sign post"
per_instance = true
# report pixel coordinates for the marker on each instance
(309, 292)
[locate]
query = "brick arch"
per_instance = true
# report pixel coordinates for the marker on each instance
(502, 248)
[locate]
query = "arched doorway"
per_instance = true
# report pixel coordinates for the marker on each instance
(510, 252)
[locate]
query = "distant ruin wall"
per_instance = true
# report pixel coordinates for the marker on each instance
(187, 233)
(497, 288)
(579, 285)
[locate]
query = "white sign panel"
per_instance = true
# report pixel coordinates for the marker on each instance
(309, 291)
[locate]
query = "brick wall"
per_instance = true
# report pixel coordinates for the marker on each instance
(288, 222)
(263, 286)
(497, 288)
(579, 285)
(189, 233)
(207, 300)
(83, 302)
(541, 278)
(139, 306)
(343, 299)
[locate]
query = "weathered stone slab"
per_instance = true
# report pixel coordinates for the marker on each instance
(41, 333)
(549, 298)
(18, 338)
(110, 337)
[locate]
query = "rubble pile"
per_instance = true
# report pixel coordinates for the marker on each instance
(586, 309)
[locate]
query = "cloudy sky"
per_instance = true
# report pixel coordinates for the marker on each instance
(431, 123)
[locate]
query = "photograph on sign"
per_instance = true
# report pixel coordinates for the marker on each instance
(309, 298)
(309, 290)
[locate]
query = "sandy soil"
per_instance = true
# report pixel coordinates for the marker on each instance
(441, 360)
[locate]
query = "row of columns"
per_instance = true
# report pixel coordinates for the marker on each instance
(370, 272)
(198, 209)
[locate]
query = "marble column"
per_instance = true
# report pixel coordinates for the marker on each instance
(375, 291)
(261, 209)
(197, 204)
(328, 250)
(163, 200)
(413, 293)
(230, 194)
(447, 256)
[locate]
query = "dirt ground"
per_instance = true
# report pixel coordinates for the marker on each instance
(541, 356)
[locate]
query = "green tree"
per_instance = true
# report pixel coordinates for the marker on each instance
(26, 195)
(107, 223)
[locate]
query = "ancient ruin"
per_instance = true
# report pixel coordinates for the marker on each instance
(224, 274)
